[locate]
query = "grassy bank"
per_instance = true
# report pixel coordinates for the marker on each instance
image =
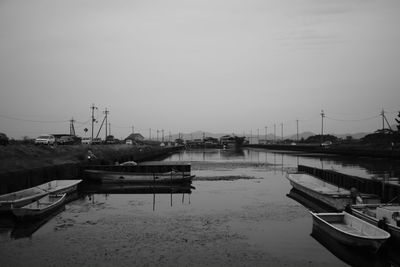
(22, 157)
(23, 166)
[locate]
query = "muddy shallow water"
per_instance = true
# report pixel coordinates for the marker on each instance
(238, 214)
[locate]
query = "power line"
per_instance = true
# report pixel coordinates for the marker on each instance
(362, 119)
(27, 120)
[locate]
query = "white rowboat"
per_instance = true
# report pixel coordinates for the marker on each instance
(385, 215)
(350, 230)
(40, 207)
(23, 197)
(327, 193)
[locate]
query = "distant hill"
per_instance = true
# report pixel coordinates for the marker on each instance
(304, 135)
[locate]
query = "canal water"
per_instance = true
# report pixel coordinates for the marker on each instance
(241, 213)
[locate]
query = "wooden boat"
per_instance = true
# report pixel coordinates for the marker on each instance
(118, 188)
(60, 186)
(385, 216)
(138, 178)
(20, 198)
(353, 256)
(23, 197)
(350, 230)
(40, 207)
(327, 193)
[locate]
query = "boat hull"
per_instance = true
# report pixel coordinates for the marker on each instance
(350, 231)
(137, 178)
(329, 194)
(6, 205)
(393, 230)
(40, 208)
(23, 197)
(337, 203)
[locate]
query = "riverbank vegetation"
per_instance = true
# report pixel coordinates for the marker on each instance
(28, 156)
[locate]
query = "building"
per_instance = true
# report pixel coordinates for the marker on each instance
(135, 137)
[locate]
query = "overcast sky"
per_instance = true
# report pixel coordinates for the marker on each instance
(187, 65)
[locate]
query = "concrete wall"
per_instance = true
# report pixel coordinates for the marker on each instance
(17, 180)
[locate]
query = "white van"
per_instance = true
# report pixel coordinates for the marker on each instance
(46, 139)
(86, 140)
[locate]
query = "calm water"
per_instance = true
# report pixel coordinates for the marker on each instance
(239, 214)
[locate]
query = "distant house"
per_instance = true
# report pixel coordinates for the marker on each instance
(135, 137)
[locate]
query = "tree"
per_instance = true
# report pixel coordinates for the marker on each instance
(398, 122)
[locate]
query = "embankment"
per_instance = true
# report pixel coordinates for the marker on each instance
(353, 151)
(24, 166)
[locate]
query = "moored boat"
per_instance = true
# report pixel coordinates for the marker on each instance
(350, 230)
(40, 207)
(139, 178)
(23, 197)
(20, 198)
(60, 186)
(327, 193)
(386, 216)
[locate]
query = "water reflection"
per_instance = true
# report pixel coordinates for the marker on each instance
(372, 168)
(17, 229)
(27, 229)
(93, 194)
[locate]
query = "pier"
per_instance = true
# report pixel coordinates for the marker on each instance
(387, 190)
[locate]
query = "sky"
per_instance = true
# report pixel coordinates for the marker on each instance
(222, 66)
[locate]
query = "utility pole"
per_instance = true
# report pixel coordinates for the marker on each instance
(71, 127)
(133, 129)
(322, 125)
(383, 121)
(162, 135)
(282, 131)
(274, 133)
(258, 136)
(251, 135)
(149, 133)
(106, 113)
(297, 130)
(266, 128)
(93, 107)
(157, 134)
(109, 127)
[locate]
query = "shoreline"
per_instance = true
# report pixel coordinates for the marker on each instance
(343, 150)
(24, 166)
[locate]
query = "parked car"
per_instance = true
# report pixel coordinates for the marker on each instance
(66, 140)
(86, 140)
(110, 139)
(46, 139)
(3, 139)
(96, 141)
(129, 142)
(326, 144)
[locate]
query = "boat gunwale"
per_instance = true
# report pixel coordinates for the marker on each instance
(25, 208)
(329, 194)
(316, 215)
(38, 195)
(354, 208)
